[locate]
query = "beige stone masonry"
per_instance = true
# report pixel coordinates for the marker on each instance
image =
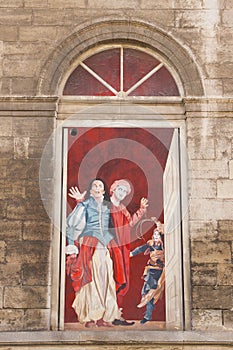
(225, 189)
(10, 231)
(8, 33)
(28, 252)
(63, 4)
(205, 320)
(2, 252)
(212, 297)
(213, 252)
(209, 169)
(18, 297)
(203, 230)
(225, 274)
(12, 16)
(210, 209)
(38, 231)
(204, 275)
(203, 188)
(34, 274)
(225, 229)
(10, 274)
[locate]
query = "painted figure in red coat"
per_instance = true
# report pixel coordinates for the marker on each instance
(123, 221)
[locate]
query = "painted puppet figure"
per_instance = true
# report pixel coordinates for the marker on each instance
(154, 274)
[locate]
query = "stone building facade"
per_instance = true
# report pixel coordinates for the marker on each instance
(40, 43)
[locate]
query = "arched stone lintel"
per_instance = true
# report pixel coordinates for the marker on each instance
(118, 31)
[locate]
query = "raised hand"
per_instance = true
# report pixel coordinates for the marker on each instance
(144, 203)
(76, 194)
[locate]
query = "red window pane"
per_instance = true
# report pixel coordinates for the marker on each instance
(160, 83)
(136, 65)
(83, 83)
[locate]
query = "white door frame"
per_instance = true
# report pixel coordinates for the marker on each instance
(113, 115)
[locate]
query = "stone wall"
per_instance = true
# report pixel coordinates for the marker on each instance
(35, 40)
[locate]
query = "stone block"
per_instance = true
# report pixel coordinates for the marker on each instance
(2, 189)
(68, 4)
(31, 33)
(23, 86)
(197, 18)
(217, 209)
(209, 169)
(201, 148)
(204, 274)
(223, 147)
(203, 231)
(10, 230)
(55, 17)
(228, 319)
(150, 4)
(6, 126)
(35, 274)
(225, 274)
(11, 320)
(10, 274)
(203, 188)
(23, 169)
(227, 17)
(21, 147)
(188, 4)
(26, 297)
(39, 145)
(101, 4)
(3, 207)
(16, 189)
(36, 3)
(33, 127)
(210, 4)
(207, 320)
(18, 67)
(6, 147)
(24, 209)
(214, 87)
(15, 16)
(12, 4)
(231, 169)
(37, 231)
(225, 229)
(211, 253)
(219, 297)
(28, 252)
(36, 320)
(1, 297)
(225, 188)
(2, 251)
(227, 87)
(3, 167)
(215, 70)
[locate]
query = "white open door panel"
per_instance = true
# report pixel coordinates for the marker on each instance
(172, 227)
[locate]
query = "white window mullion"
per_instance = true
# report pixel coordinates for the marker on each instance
(95, 75)
(147, 76)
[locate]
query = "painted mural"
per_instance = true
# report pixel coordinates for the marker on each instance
(114, 228)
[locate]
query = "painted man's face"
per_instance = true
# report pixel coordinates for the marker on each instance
(97, 189)
(120, 192)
